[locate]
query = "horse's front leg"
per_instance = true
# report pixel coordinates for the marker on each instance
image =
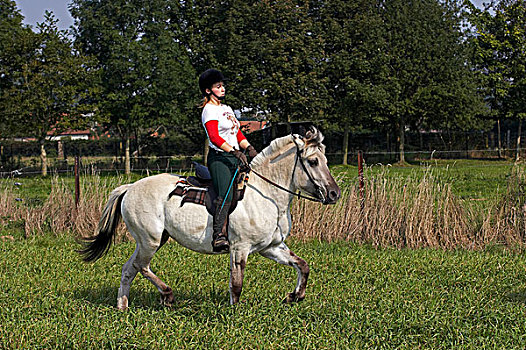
(283, 255)
(238, 261)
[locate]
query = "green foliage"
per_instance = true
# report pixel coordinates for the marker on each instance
(146, 76)
(499, 40)
(279, 66)
(15, 43)
(51, 87)
(268, 50)
(365, 64)
(357, 298)
(428, 76)
(352, 37)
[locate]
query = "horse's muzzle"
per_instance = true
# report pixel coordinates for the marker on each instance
(332, 196)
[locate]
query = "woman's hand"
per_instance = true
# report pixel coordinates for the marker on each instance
(252, 151)
(243, 162)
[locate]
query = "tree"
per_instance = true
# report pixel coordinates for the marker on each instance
(147, 78)
(352, 34)
(426, 66)
(499, 39)
(53, 88)
(276, 59)
(267, 49)
(15, 42)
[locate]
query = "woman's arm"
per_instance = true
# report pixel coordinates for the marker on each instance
(213, 134)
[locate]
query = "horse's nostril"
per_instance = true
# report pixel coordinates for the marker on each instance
(333, 195)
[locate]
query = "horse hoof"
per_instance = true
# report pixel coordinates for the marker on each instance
(292, 298)
(122, 303)
(167, 299)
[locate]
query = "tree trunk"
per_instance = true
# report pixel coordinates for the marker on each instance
(127, 167)
(43, 158)
(345, 146)
(518, 154)
(205, 150)
(499, 139)
(508, 142)
(467, 144)
(60, 149)
(401, 141)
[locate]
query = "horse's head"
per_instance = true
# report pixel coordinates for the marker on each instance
(312, 174)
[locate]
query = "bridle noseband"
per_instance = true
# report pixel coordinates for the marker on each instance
(311, 179)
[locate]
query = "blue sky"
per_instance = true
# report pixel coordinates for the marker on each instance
(33, 10)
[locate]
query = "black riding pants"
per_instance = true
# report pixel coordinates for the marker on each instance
(222, 168)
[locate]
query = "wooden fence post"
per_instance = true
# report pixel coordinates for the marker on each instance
(77, 181)
(360, 179)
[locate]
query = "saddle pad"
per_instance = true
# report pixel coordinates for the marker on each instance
(190, 193)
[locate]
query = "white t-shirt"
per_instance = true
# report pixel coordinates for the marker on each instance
(227, 123)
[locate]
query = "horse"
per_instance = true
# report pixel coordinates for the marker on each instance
(260, 223)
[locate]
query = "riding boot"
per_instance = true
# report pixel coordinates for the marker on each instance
(219, 234)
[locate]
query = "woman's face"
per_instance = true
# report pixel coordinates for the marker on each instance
(218, 91)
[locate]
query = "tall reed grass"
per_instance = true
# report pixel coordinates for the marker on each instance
(58, 214)
(416, 212)
(404, 212)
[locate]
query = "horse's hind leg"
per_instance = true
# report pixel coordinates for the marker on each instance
(238, 261)
(140, 262)
(283, 255)
(167, 297)
(128, 274)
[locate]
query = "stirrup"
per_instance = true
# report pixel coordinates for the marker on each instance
(220, 244)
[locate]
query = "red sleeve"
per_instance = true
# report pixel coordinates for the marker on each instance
(213, 133)
(240, 136)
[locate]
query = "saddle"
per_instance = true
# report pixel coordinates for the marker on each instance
(199, 189)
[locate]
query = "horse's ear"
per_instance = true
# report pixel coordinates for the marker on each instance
(314, 136)
(299, 141)
(311, 133)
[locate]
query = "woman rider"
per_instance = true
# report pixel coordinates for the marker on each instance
(225, 155)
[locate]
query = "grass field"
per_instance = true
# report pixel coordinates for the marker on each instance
(358, 297)
(470, 179)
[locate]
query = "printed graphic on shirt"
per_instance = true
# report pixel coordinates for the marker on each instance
(227, 124)
(235, 123)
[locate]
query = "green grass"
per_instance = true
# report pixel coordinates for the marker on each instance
(357, 297)
(470, 179)
(35, 190)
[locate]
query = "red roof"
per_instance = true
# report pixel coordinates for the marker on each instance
(248, 126)
(70, 132)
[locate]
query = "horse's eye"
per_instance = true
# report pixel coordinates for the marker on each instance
(313, 162)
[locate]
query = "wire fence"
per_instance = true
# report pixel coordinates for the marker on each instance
(106, 165)
(184, 164)
(426, 155)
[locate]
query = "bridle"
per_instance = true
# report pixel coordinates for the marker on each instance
(311, 179)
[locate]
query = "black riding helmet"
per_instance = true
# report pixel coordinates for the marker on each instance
(209, 78)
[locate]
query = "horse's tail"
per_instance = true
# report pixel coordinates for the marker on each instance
(96, 247)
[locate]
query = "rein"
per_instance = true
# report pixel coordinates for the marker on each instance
(299, 195)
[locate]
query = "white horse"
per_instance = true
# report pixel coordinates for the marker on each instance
(260, 223)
